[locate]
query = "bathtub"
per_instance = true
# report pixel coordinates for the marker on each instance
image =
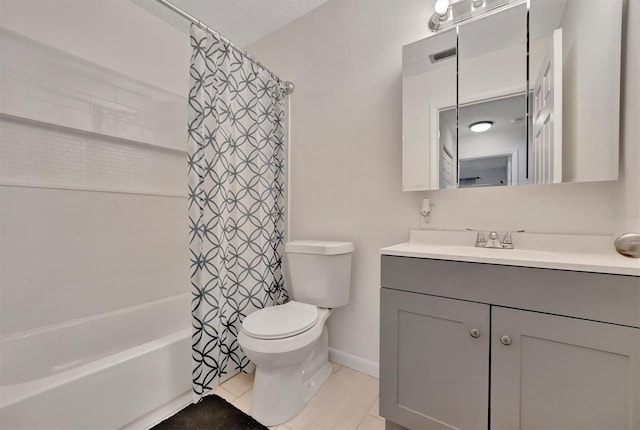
(124, 369)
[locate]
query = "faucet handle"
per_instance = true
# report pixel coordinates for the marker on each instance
(480, 239)
(507, 242)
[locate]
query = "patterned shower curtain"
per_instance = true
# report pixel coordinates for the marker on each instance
(236, 201)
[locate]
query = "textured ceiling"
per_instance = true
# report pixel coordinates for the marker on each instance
(241, 21)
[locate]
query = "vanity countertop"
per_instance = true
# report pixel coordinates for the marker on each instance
(583, 253)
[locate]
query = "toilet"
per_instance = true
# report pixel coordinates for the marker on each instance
(289, 343)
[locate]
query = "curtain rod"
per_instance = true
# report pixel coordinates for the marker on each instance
(288, 86)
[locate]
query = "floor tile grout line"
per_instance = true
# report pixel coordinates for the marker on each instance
(360, 423)
(331, 376)
(371, 405)
(378, 417)
(226, 391)
(363, 418)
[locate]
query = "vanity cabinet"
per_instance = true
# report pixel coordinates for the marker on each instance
(434, 361)
(455, 354)
(562, 373)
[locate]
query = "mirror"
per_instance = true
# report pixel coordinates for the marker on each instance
(504, 106)
(496, 156)
(574, 75)
(492, 86)
(428, 84)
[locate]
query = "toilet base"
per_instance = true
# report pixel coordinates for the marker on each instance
(280, 392)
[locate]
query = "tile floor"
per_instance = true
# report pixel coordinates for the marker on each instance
(348, 400)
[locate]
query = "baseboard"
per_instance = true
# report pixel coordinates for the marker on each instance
(354, 362)
(158, 415)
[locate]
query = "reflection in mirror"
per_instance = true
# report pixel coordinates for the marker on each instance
(447, 148)
(492, 90)
(428, 84)
(575, 89)
(492, 145)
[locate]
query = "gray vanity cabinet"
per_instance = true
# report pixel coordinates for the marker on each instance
(464, 346)
(435, 359)
(562, 373)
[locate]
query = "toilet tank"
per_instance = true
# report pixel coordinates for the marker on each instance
(320, 272)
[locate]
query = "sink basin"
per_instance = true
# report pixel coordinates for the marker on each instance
(585, 253)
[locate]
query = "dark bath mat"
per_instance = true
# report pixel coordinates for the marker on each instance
(211, 413)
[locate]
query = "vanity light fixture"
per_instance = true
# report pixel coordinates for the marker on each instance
(442, 7)
(480, 126)
(441, 14)
(449, 13)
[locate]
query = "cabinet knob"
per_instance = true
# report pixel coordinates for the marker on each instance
(505, 340)
(474, 332)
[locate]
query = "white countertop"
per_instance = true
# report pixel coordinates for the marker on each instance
(583, 253)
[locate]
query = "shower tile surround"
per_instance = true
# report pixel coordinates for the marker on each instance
(37, 154)
(70, 254)
(47, 85)
(70, 130)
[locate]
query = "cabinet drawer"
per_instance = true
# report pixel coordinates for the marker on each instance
(593, 296)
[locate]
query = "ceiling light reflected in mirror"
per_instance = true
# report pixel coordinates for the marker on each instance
(481, 126)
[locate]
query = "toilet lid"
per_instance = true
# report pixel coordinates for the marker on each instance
(277, 322)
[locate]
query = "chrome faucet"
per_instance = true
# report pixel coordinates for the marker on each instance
(494, 239)
(507, 243)
(481, 242)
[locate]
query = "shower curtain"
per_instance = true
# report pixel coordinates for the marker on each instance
(236, 201)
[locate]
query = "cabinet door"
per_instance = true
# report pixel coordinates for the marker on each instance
(433, 373)
(562, 373)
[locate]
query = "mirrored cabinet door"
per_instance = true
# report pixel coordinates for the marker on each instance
(574, 79)
(429, 85)
(492, 100)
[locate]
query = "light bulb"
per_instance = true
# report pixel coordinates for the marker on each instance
(442, 7)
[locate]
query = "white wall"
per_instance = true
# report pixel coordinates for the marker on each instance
(92, 161)
(345, 59)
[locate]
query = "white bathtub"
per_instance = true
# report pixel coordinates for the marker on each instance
(126, 368)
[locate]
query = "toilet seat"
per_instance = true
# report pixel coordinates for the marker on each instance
(278, 322)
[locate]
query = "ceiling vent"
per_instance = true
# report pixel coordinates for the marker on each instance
(442, 55)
